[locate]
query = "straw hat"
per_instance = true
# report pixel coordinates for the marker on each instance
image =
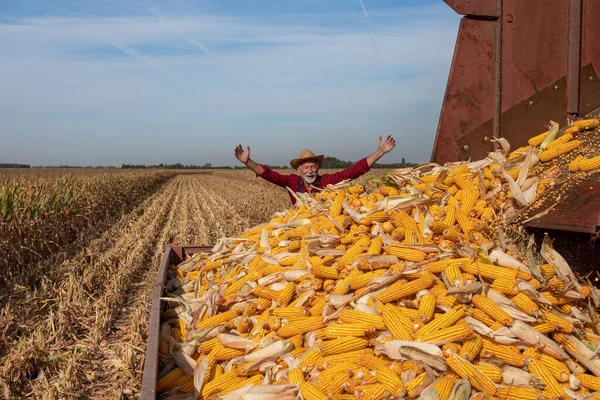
(306, 155)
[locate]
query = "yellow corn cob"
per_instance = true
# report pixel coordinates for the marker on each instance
(517, 393)
(589, 381)
(526, 305)
(311, 357)
(357, 317)
(444, 385)
(557, 299)
(226, 354)
(400, 289)
(544, 327)
(358, 248)
(465, 369)
(303, 325)
(376, 245)
(251, 276)
(489, 271)
(218, 384)
(262, 304)
(170, 380)
(286, 294)
(575, 164)
(563, 139)
(471, 348)
(343, 286)
(356, 189)
(582, 125)
(317, 306)
(537, 140)
(491, 371)
(291, 313)
(343, 344)
(218, 319)
(273, 322)
(346, 357)
(561, 324)
(538, 368)
(456, 333)
(388, 190)
(377, 216)
(371, 361)
(451, 348)
(265, 292)
(590, 164)
(390, 381)
(335, 331)
(294, 246)
(296, 340)
(505, 286)
(362, 280)
(437, 267)
(320, 270)
(443, 321)
(509, 354)
(491, 309)
(559, 150)
(414, 384)
(557, 368)
(453, 274)
(336, 207)
(399, 325)
(427, 304)
(408, 254)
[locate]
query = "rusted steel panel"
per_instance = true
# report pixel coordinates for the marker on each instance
(577, 211)
(534, 47)
(468, 101)
(590, 34)
(529, 117)
(151, 359)
(173, 255)
(481, 8)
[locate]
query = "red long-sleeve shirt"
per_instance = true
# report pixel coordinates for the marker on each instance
(296, 183)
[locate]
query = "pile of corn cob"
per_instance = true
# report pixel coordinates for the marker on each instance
(408, 291)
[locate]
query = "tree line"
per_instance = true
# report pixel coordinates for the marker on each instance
(328, 163)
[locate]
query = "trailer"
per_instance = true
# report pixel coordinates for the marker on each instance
(516, 66)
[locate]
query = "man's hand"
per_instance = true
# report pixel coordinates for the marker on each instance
(386, 145)
(242, 155)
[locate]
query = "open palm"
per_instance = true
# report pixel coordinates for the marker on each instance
(386, 145)
(241, 154)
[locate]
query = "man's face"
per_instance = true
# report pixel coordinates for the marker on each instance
(308, 170)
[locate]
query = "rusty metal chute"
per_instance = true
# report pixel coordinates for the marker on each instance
(516, 66)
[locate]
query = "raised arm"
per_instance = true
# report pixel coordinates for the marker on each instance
(385, 146)
(244, 157)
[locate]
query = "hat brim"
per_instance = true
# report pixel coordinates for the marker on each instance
(295, 163)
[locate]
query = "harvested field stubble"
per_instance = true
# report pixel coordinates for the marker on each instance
(420, 289)
(83, 333)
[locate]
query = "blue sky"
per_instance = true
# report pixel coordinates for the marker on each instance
(107, 82)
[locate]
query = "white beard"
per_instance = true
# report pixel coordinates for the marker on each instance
(310, 179)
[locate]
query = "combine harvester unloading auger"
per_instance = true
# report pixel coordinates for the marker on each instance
(429, 284)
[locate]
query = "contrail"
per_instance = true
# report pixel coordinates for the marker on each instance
(184, 36)
(366, 14)
(137, 55)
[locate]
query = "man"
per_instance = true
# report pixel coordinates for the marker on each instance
(307, 166)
